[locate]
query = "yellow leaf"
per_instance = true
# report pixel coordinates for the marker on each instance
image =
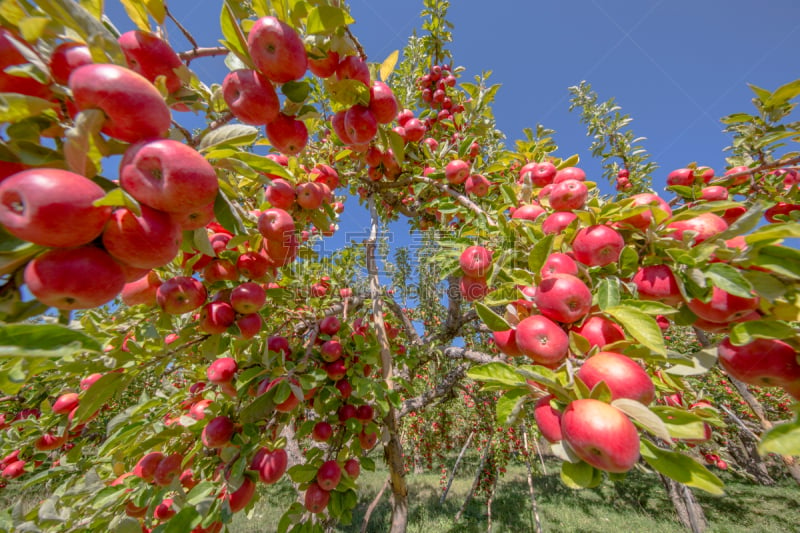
(387, 67)
(156, 10)
(137, 13)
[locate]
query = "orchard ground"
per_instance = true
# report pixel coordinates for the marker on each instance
(635, 505)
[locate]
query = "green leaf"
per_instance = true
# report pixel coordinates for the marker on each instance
(681, 468)
(263, 164)
(774, 232)
(580, 475)
(327, 19)
(348, 92)
(496, 373)
(186, 519)
(235, 41)
(640, 326)
(257, 410)
(44, 340)
(229, 134)
(100, 393)
(202, 243)
(296, 91)
(628, 261)
(746, 332)
(696, 364)
(779, 259)
(784, 94)
(509, 406)
(783, 439)
(642, 414)
(541, 250)
(607, 294)
(398, 146)
(387, 67)
(651, 308)
(680, 424)
(302, 473)
(15, 107)
(492, 320)
(729, 279)
(226, 214)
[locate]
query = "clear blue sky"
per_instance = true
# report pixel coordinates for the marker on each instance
(675, 66)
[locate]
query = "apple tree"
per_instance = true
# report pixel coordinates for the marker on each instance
(172, 336)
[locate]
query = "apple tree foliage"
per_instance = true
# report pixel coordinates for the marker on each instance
(170, 340)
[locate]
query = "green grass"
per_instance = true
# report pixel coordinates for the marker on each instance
(639, 504)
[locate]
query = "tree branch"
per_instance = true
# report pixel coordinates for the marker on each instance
(457, 196)
(196, 53)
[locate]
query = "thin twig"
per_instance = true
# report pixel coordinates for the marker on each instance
(213, 51)
(186, 33)
(460, 198)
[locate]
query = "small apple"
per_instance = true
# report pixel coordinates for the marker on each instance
(151, 56)
(548, 419)
(563, 298)
(248, 298)
(542, 340)
(624, 377)
(598, 245)
(218, 432)
(287, 134)
(316, 498)
(148, 241)
(66, 57)
(568, 195)
(181, 294)
(475, 261)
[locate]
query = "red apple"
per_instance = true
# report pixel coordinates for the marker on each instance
(456, 172)
(250, 97)
(324, 67)
(601, 435)
(316, 498)
(277, 50)
(287, 134)
(352, 467)
(703, 226)
(290, 403)
(148, 241)
(147, 465)
(151, 56)
(249, 325)
(252, 265)
(475, 261)
(222, 370)
(600, 331)
(353, 68)
(331, 350)
(133, 107)
(473, 288)
(329, 325)
(548, 419)
(52, 207)
(563, 298)
(365, 413)
(10, 56)
(74, 278)
(195, 219)
(218, 432)
(625, 378)
(569, 173)
(280, 193)
(181, 294)
(360, 124)
(66, 57)
(278, 344)
(168, 469)
(557, 222)
(164, 510)
(242, 496)
(506, 342)
(714, 193)
(558, 263)
(248, 298)
(568, 195)
(336, 369)
(597, 245)
(657, 283)
(367, 441)
(329, 475)
(477, 185)
(382, 102)
(66, 403)
(542, 340)
(344, 388)
(528, 212)
(346, 412)
(644, 219)
(681, 176)
(723, 307)
(220, 270)
(169, 176)
(414, 130)
(762, 362)
(273, 466)
(322, 431)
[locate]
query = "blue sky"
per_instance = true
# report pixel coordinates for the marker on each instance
(675, 66)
